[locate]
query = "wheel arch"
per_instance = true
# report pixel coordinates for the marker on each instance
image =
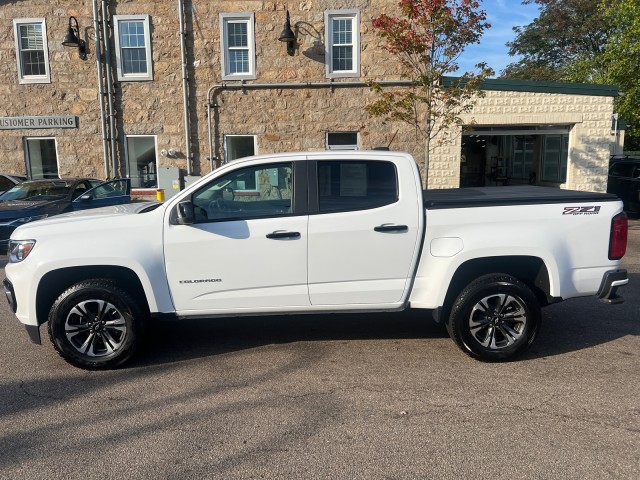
(53, 283)
(530, 270)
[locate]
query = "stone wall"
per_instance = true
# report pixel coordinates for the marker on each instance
(284, 119)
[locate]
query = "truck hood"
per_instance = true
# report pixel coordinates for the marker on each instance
(95, 214)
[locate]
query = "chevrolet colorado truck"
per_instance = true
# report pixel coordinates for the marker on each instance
(316, 233)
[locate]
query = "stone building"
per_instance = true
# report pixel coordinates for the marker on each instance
(161, 91)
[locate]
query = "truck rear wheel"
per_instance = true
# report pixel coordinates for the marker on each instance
(95, 325)
(496, 317)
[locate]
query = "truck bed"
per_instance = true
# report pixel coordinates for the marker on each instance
(505, 196)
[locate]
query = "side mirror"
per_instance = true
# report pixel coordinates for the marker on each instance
(85, 198)
(185, 215)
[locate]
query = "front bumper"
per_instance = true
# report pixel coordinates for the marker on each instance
(608, 292)
(32, 330)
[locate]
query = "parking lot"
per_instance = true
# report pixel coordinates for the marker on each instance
(354, 397)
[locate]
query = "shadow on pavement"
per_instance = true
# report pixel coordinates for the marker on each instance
(569, 326)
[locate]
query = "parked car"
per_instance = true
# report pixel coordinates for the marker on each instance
(8, 180)
(624, 181)
(36, 199)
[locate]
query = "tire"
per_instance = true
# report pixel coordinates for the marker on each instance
(95, 325)
(496, 317)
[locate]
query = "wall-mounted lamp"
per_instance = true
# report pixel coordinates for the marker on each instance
(72, 39)
(288, 36)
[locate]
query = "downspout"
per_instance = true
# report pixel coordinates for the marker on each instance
(110, 96)
(103, 119)
(291, 85)
(185, 86)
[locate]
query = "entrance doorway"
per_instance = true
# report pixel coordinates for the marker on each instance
(506, 155)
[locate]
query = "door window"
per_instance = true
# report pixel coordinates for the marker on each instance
(251, 192)
(42, 160)
(355, 185)
(239, 146)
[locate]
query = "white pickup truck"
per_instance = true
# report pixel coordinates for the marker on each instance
(316, 233)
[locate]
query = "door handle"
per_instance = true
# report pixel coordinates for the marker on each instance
(279, 234)
(391, 228)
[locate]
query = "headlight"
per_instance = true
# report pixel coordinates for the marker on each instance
(19, 250)
(22, 220)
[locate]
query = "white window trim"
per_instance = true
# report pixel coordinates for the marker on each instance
(126, 153)
(27, 156)
(251, 44)
(355, 146)
(133, 77)
(22, 79)
(255, 144)
(329, 16)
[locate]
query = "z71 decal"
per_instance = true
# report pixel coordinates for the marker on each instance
(581, 210)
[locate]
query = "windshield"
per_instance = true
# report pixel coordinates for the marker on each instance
(49, 190)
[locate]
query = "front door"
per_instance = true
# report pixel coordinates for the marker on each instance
(247, 249)
(363, 234)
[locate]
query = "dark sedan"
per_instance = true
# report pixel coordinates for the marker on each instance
(36, 199)
(624, 181)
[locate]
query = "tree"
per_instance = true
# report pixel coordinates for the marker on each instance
(428, 39)
(588, 42)
(621, 54)
(565, 32)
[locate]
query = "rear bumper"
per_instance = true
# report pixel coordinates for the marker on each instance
(608, 292)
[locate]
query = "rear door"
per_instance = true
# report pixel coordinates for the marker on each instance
(364, 227)
(114, 192)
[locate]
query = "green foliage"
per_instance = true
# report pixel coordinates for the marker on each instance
(588, 42)
(622, 57)
(565, 32)
(428, 38)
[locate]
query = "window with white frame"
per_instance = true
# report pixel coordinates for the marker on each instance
(237, 40)
(31, 50)
(238, 146)
(554, 158)
(133, 47)
(342, 140)
(42, 157)
(342, 33)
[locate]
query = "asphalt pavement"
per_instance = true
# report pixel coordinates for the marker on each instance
(333, 397)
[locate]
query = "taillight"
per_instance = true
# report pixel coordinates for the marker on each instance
(618, 240)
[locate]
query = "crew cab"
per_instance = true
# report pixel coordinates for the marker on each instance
(316, 233)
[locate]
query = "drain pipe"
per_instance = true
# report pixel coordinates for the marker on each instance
(103, 116)
(110, 95)
(185, 85)
(291, 85)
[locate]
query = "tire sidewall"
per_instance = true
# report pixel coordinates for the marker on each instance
(94, 290)
(491, 285)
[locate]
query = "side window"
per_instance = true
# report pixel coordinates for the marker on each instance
(31, 50)
(133, 47)
(251, 192)
(621, 169)
(342, 31)
(115, 188)
(237, 40)
(5, 184)
(355, 185)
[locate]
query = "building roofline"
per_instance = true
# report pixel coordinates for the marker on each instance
(503, 85)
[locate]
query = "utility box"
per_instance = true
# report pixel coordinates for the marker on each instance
(189, 179)
(170, 180)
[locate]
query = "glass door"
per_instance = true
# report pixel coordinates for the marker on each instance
(42, 157)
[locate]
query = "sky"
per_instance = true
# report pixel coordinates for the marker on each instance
(503, 15)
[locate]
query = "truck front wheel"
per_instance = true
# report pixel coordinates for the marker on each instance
(496, 317)
(95, 325)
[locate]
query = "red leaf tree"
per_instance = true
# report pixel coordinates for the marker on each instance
(428, 38)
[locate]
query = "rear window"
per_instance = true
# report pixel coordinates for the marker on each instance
(356, 185)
